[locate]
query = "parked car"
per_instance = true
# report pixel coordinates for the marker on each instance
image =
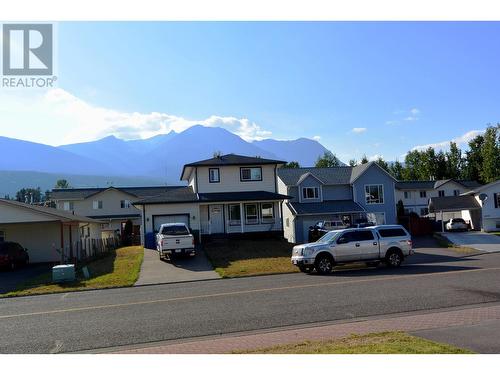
(381, 243)
(319, 229)
(175, 239)
(13, 255)
(457, 224)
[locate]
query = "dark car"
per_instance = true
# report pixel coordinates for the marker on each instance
(13, 255)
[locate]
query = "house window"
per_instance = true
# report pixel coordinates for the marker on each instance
(251, 174)
(213, 175)
(497, 225)
(407, 195)
(234, 214)
(374, 194)
(497, 200)
(456, 193)
(424, 211)
(287, 222)
(251, 215)
(423, 194)
(2, 236)
(97, 205)
(267, 212)
(441, 193)
(124, 204)
(68, 206)
(310, 193)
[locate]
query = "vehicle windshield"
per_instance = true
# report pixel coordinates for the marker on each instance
(329, 236)
(175, 230)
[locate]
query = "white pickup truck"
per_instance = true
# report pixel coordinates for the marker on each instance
(174, 239)
(387, 243)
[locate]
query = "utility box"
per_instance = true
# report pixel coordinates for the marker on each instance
(63, 273)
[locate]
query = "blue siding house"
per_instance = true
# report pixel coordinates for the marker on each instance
(349, 194)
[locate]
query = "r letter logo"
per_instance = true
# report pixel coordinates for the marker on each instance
(27, 50)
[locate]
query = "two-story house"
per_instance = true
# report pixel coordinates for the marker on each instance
(488, 198)
(228, 194)
(415, 195)
(348, 194)
(110, 205)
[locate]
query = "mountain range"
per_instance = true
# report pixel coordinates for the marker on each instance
(159, 158)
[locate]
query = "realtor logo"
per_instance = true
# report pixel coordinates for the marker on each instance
(27, 49)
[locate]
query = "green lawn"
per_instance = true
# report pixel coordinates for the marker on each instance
(244, 257)
(374, 343)
(120, 268)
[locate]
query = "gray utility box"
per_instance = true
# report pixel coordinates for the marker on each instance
(63, 273)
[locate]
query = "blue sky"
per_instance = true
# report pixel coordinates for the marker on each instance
(369, 88)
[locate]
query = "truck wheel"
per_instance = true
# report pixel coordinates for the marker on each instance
(394, 258)
(324, 264)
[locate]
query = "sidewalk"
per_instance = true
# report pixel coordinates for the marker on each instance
(409, 323)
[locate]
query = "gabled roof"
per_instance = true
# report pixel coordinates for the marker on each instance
(325, 208)
(82, 193)
(433, 184)
(230, 159)
(56, 214)
(307, 174)
(454, 203)
(483, 187)
(177, 194)
(342, 175)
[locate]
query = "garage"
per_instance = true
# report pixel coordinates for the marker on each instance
(158, 220)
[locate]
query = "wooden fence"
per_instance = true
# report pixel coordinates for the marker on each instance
(87, 249)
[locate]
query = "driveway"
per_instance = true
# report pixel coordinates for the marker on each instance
(156, 271)
(476, 240)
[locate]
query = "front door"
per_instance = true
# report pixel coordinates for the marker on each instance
(216, 212)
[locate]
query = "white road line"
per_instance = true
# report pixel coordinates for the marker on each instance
(250, 291)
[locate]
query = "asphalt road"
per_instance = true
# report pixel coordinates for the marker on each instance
(435, 278)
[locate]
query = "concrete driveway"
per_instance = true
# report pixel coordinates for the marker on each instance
(476, 240)
(156, 271)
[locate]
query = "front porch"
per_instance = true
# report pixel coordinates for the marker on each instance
(240, 217)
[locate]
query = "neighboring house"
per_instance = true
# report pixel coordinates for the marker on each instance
(111, 205)
(488, 198)
(415, 195)
(348, 194)
(228, 194)
(44, 231)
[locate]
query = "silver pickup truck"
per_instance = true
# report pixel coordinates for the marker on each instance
(387, 243)
(174, 239)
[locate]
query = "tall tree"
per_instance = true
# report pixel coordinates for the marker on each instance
(454, 162)
(62, 184)
(490, 152)
(413, 165)
(396, 169)
(292, 164)
(353, 162)
(382, 163)
(474, 157)
(29, 195)
(364, 160)
(327, 160)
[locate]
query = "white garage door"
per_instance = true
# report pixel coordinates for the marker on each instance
(165, 219)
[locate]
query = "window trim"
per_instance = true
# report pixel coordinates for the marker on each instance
(231, 221)
(407, 195)
(315, 188)
(381, 201)
(424, 195)
(268, 220)
(210, 181)
(256, 213)
(126, 204)
(71, 206)
(439, 193)
(96, 206)
(250, 180)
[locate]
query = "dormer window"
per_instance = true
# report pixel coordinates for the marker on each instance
(310, 193)
(213, 175)
(251, 174)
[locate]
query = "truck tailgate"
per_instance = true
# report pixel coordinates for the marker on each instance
(177, 242)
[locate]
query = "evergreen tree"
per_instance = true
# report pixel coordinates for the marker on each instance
(353, 162)
(382, 163)
(396, 169)
(327, 160)
(292, 164)
(454, 162)
(474, 157)
(364, 159)
(490, 152)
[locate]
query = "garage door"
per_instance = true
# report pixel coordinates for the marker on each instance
(158, 220)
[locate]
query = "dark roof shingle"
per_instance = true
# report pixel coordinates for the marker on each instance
(172, 194)
(241, 196)
(342, 175)
(82, 193)
(455, 203)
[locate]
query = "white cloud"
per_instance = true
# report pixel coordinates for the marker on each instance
(444, 145)
(317, 137)
(80, 121)
(375, 157)
(409, 115)
(359, 130)
(414, 111)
